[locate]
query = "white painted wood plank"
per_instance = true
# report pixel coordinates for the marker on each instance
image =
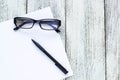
(58, 9)
(86, 39)
(11, 8)
(113, 39)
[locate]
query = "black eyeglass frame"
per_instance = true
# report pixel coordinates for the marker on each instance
(44, 21)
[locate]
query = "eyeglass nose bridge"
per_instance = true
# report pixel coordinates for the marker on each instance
(35, 21)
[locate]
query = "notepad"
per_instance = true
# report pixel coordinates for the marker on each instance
(19, 57)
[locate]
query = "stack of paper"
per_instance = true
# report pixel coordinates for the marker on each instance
(20, 59)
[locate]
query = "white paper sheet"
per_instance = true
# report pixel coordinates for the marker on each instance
(20, 59)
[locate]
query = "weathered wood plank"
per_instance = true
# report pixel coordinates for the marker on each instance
(112, 39)
(86, 38)
(58, 9)
(11, 8)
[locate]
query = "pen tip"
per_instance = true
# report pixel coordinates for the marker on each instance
(32, 40)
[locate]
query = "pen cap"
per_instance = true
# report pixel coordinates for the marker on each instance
(61, 68)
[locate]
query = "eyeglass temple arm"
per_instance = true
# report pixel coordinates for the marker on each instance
(16, 28)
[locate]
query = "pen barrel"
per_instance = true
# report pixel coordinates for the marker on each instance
(56, 63)
(61, 68)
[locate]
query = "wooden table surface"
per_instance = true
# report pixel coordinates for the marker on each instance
(90, 32)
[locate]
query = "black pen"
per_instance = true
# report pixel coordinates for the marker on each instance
(55, 61)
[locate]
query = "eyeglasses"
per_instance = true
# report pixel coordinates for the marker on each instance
(45, 24)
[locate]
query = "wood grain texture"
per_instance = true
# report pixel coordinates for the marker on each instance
(11, 8)
(112, 8)
(85, 41)
(58, 9)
